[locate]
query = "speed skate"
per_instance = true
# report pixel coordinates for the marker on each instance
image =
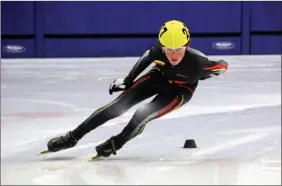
(93, 158)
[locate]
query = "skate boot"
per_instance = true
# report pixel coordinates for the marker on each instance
(109, 147)
(62, 142)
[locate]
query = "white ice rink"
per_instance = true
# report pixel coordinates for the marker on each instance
(235, 120)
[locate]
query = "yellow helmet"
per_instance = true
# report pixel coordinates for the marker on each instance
(174, 34)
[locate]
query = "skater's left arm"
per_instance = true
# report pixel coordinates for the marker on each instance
(209, 68)
(141, 64)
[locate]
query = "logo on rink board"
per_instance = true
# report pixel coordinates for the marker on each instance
(223, 45)
(14, 48)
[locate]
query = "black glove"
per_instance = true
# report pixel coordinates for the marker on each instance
(120, 85)
(215, 72)
(221, 71)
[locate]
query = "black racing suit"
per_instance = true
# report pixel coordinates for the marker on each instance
(172, 86)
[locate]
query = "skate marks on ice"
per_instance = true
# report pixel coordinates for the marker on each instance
(247, 156)
(250, 157)
(234, 152)
(230, 148)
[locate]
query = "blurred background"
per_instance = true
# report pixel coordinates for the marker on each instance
(121, 29)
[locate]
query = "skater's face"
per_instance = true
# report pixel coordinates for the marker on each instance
(174, 56)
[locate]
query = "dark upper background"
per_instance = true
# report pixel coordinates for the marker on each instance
(109, 29)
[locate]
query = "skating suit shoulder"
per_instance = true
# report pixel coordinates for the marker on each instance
(188, 71)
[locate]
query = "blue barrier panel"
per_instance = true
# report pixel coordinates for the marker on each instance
(39, 29)
(266, 44)
(96, 47)
(218, 46)
(17, 17)
(17, 48)
(22, 18)
(245, 34)
(131, 47)
(266, 16)
(139, 17)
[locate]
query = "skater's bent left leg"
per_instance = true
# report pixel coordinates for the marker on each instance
(159, 106)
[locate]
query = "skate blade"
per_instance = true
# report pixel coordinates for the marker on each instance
(43, 152)
(95, 158)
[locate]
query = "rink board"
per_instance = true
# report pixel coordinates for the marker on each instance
(72, 25)
(129, 47)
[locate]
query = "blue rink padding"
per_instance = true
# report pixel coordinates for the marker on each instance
(97, 47)
(266, 16)
(243, 27)
(139, 17)
(18, 48)
(266, 45)
(129, 47)
(17, 18)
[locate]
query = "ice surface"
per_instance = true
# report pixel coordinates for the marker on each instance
(235, 120)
